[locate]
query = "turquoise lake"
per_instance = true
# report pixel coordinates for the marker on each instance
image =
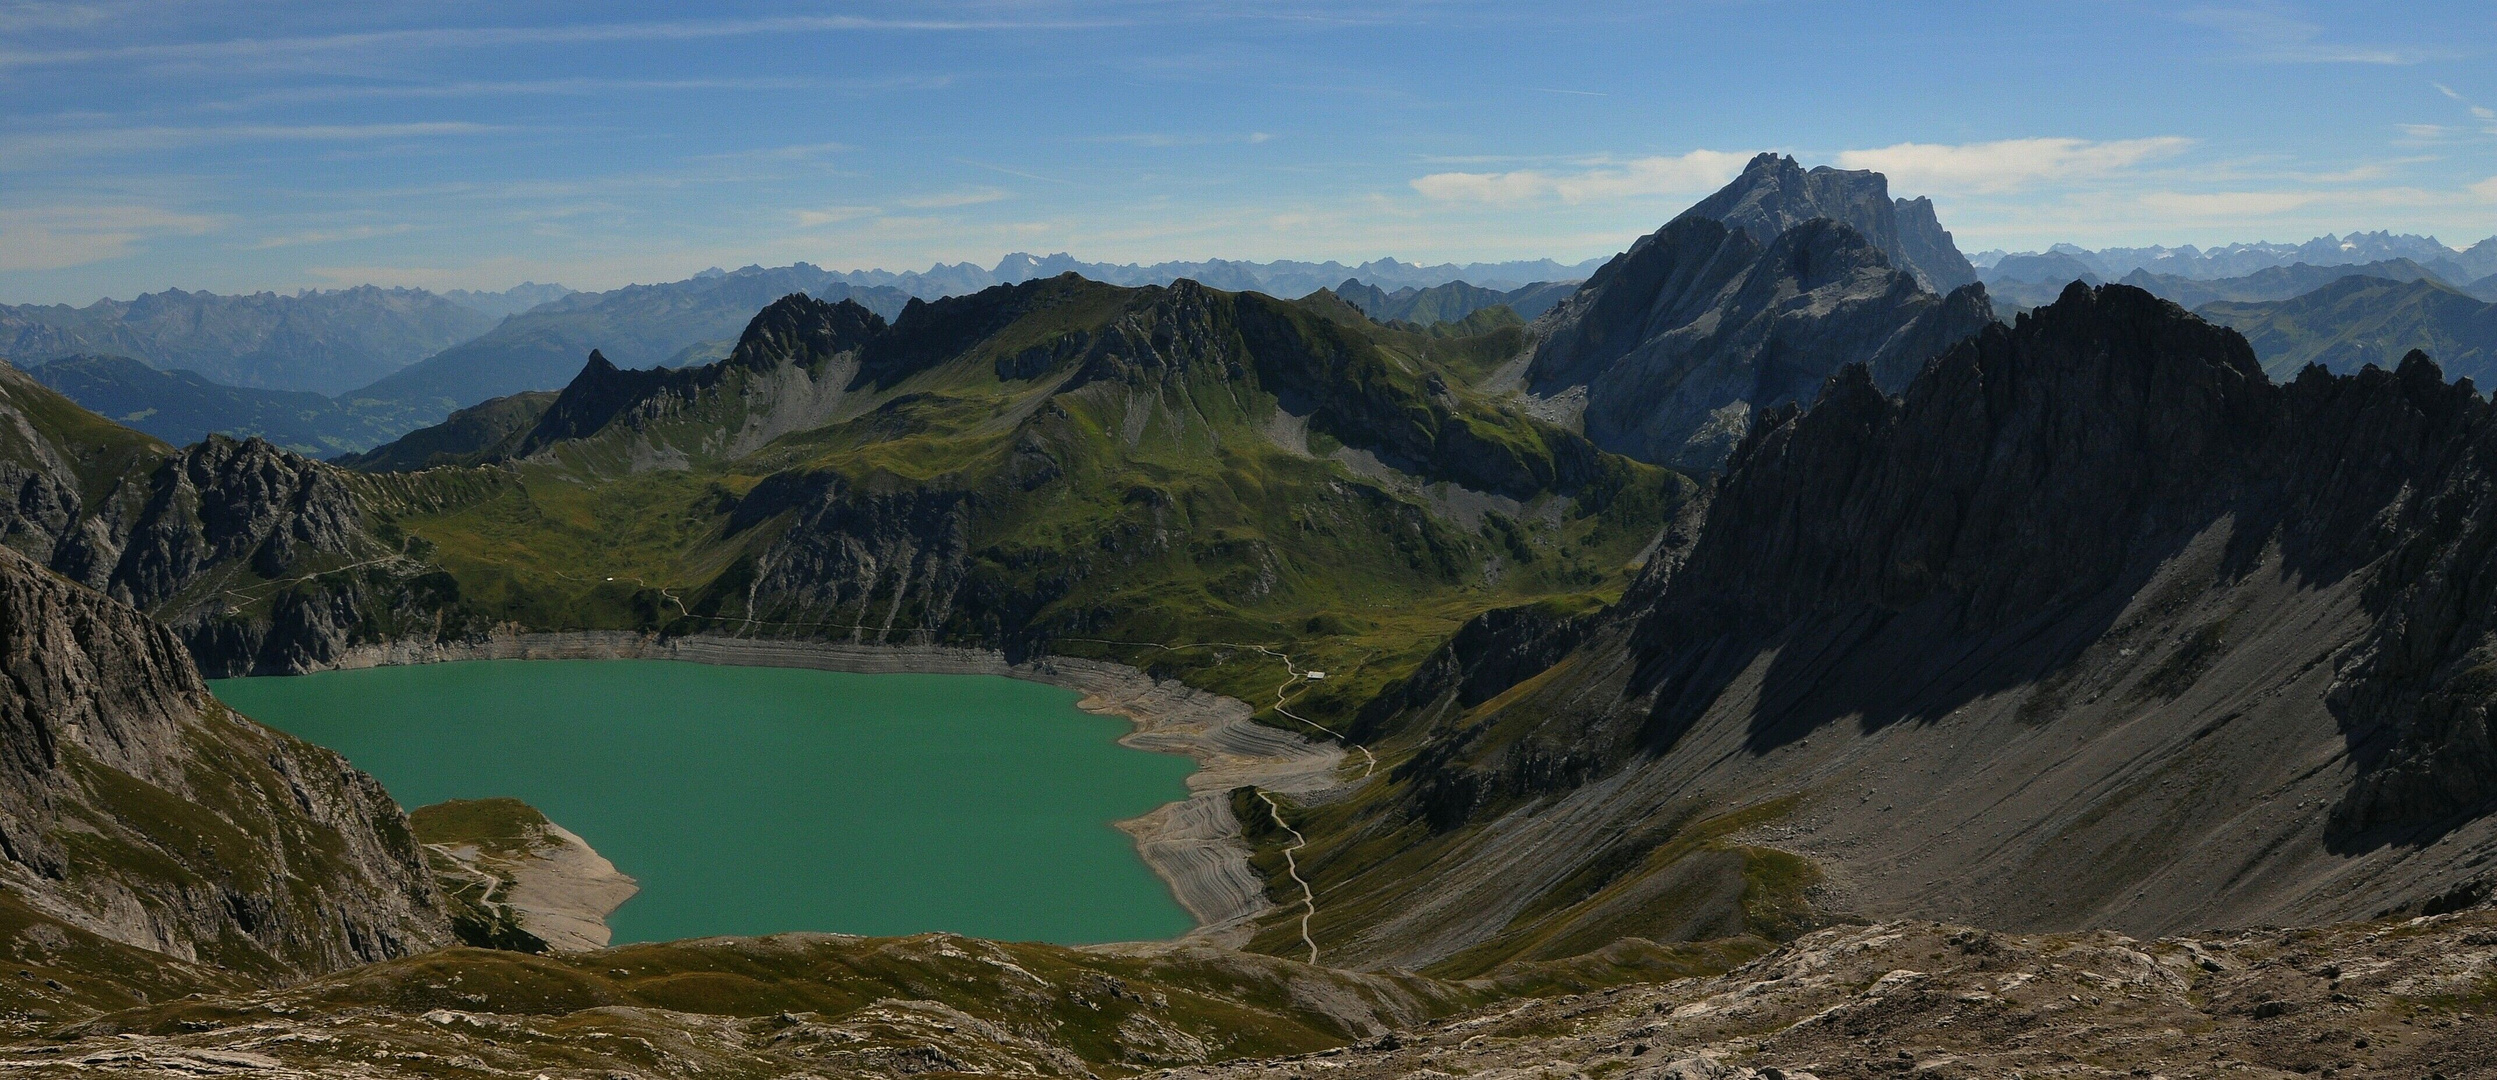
(753, 800)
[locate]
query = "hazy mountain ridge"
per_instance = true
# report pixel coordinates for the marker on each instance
(184, 407)
(324, 342)
(2238, 260)
(2357, 321)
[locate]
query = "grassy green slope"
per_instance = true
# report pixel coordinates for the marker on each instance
(1140, 467)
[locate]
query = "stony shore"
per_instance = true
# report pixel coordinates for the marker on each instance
(1195, 844)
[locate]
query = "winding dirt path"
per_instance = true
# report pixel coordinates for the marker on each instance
(1292, 865)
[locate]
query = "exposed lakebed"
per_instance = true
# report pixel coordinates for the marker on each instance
(751, 800)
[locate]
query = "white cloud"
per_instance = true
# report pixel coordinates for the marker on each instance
(970, 197)
(54, 237)
(2008, 164)
(2224, 204)
(1694, 173)
(2486, 189)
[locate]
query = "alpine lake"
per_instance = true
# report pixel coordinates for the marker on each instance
(755, 800)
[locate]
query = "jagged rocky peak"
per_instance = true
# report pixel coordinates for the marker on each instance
(800, 329)
(136, 808)
(1678, 342)
(1775, 193)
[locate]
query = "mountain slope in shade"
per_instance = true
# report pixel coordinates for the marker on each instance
(136, 808)
(1775, 194)
(2358, 321)
(1676, 343)
(324, 342)
(2095, 626)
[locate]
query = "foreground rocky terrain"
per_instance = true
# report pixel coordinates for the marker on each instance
(2404, 998)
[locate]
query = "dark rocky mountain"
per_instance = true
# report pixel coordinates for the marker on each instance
(2485, 288)
(1775, 194)
(2357, 321)
(2093, 626)
(324, 342)
(638, 325)
(184, 407)
(136, 809)
(1451, 302)
(1676, 343)
(260, 559)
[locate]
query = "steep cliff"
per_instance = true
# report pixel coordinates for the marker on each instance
(2093, 626)
(135, 807)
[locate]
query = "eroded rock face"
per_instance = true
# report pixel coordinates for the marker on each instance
(134, 806)
(1683, 339)
(259, 558)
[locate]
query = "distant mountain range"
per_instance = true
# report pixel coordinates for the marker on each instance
(2237, 260)
(511, 301)
(2027, 281)
(324, 342)
(2356, 321)
(183, 407)
(1451, 302)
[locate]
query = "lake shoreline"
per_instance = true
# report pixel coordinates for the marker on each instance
(1194, 845)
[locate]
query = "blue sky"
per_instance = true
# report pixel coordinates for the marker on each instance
(282, 145)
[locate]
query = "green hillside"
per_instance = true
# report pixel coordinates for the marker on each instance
(1059, 466)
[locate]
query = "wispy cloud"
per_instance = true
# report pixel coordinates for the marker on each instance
(328, 236)
(65, 235)
(2007, 164)
(950, 199)
(43, 148)
(1596, 180)
(505, 36)
(1003, 170)
(2269, 35)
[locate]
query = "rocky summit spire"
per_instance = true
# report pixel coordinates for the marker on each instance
(1775, 194)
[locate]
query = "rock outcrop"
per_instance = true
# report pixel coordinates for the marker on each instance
(135, 807)
(260, 558)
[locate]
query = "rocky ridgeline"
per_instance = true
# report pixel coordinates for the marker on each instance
(2093, 625)
(135, 808)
